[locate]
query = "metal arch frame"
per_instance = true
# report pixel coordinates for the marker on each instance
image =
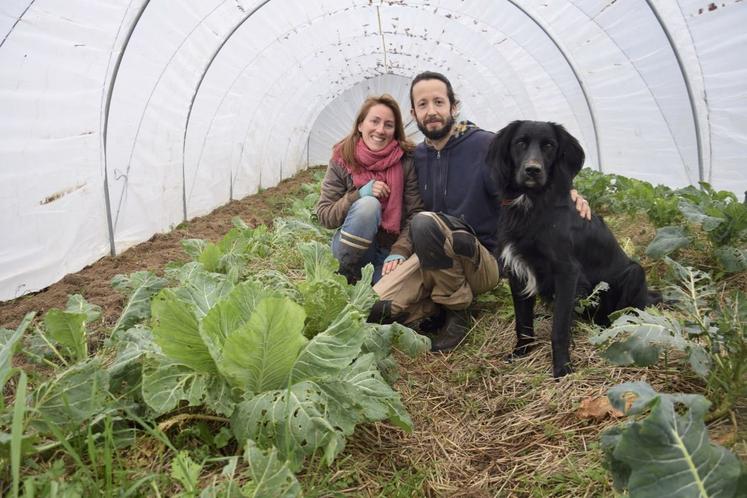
(150, 96)
(566, 57)
(105, 113)
(688, 87)
(105, 128)
(379, 33)
(115, 73)
(7, 35)
(194, 97)
(107, 108)
(575, 72)
(592, 114)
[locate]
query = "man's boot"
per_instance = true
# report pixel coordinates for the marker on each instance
(453, 331)
(351, 272)
(432, 324)
(381, 313)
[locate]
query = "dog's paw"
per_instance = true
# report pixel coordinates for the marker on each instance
(518, 352)
(562, 371)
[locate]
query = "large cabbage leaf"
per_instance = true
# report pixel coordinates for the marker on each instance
(667, 240)
(668, 452)
(258, 356)
(381, 339)
(360, 394)
(68, 329)
(332, 350)
(202, 289)
(362, 296)
(324, 291)
(293, 420)
(68, 326)
(73, 396)
(165, 384)
(319, 263)
(176, 330)
(229, 314)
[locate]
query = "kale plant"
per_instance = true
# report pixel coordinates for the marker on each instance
(710, 332)
(663, 449)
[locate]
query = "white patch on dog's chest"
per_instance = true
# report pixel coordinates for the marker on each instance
(522, 202)
(516, 264)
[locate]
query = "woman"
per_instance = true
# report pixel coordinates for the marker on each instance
(370, 192)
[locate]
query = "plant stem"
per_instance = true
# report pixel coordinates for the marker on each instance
(19, 410)
(720, 412)
(182, 417)
(54, 349)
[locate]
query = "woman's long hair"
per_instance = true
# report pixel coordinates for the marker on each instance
(347, 145)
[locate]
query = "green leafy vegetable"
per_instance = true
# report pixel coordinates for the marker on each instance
(187, 472)
(229, 314)
(68, 329)
(332, 350)
(258, 356)
(165, 384)
(638, 337)
(140, 286)
(9, 342)
(292, 420)
(176, 330)
(270, 477)
(75, 395)
(668, 452)
(667, 240)
(77, 304)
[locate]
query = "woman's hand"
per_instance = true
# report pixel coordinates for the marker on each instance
(391, 262)
(375, 188)
(380, 189)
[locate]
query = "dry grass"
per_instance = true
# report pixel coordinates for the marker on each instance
(485, 428)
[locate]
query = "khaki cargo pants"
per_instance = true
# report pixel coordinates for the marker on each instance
(449, 267)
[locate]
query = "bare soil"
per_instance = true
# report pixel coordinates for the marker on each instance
(94, 281)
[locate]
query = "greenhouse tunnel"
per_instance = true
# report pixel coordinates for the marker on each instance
(123, 118)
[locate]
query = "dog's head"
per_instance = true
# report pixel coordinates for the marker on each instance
(530, 155)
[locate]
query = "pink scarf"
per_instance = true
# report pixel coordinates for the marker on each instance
(383, 165)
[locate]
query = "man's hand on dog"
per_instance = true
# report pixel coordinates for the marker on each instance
(582, 205)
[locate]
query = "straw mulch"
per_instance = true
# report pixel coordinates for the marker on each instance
(487, 428)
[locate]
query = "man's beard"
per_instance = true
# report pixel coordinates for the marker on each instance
(439, 133)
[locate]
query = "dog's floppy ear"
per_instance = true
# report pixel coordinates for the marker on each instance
(570, 153)
(499, 155)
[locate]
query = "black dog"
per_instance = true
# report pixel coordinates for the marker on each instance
(545, 246)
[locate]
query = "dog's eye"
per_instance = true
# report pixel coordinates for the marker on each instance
(548, 146)
(521, 143)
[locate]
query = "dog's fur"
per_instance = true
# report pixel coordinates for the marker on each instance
(546, 247)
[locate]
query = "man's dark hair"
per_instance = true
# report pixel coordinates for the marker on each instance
(432, 75)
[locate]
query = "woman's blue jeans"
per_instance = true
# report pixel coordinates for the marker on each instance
(354, 244)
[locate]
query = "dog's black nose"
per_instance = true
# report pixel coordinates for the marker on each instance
(533, 170)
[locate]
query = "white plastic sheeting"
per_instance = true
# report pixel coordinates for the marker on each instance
(121, 118)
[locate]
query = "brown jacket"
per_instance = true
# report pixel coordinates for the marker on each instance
(339, 193)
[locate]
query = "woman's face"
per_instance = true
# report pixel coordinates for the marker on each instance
(377, 128)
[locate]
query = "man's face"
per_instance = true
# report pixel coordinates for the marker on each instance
(433, 110)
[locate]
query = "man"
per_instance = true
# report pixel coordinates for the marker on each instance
(454, 239)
